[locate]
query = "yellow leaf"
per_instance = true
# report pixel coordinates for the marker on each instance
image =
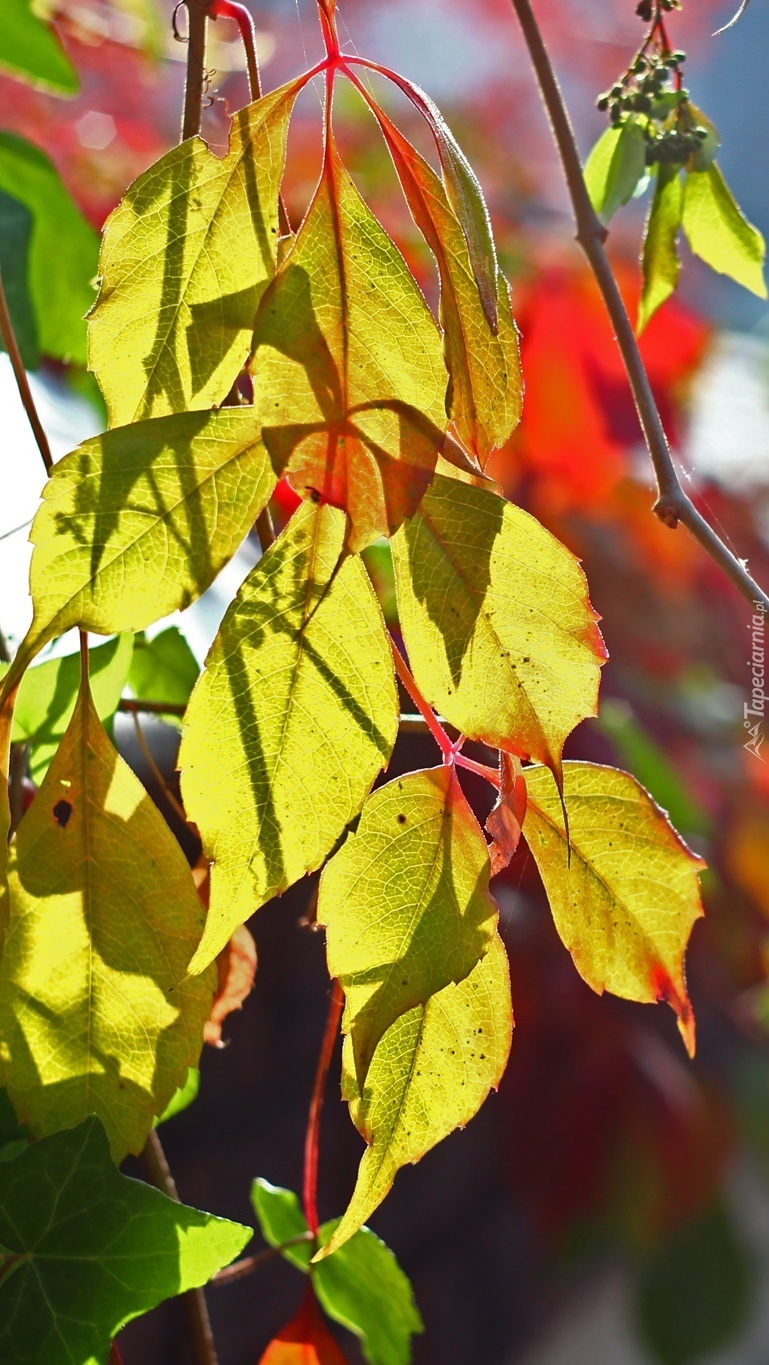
(292, 719)
(501, 637)
(430, 1074)
(185, 259)
(348, 366)
(625, 895)
(103, 918)
(405, 903)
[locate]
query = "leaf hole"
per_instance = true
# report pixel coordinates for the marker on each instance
(62, 812)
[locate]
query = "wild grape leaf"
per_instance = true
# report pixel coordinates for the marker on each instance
(16, 228)
(430, 1074)
(505, 822)
(30, 49)
(501, 637)
(305, 1340)
(87, 1249)
(624, 892)
(614, 168)
(718, 231)
(486, 390)
(405, 903)
(163, 669)
(661, 266)
(138, 522)
(361, 1286)
(294, 716)
(348, 363)
(185, 259)
(61, 296)
(103, 919)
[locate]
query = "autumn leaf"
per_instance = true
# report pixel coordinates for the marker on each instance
(348, 366)
(103, 918)
(430, 1074)
(84, 1250)
(394, 941)
(292, 719)
(305, 1340)
(501, 637)
(624, 894)
(505, 822)
(185, 259)
(236, 967)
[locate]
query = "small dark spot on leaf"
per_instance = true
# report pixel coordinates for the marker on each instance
(401, 819)
(61, 813)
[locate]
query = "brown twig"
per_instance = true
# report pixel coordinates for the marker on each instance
(673, 505)
(22, 383)
(154, 769)
(310, 1185)
(197, 33)
(239, 1269)
(157, 1170)
(151, 708)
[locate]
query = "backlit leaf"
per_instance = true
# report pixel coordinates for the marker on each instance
(62, 295)
(486, 385)
(293, 717)
(163, 669)
(30, 49)
(718, 231)
(505, 822)
(661, 266)
(236, 968)
(625, 896)
(104, 917)
(305, 1340)
(281, 1220)
(349, 367)
(614, 168)
(183, 1097)
(430, 1074)
(185, 259)
(501, 637)
(405, 903)
(138, 522)
(89, 1249)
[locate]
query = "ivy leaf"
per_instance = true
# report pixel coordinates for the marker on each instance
(396, 940)
(505, 821)
(47, 695)
(718, 231)
(294, 716)
(623, 891)
(31, 51)
(430, 1074)
(614, 168)
(185, 259)
(103, 919)
(486, 391)
(16, 227)
(61, 296)
(88, 1249)
(361, 1286)
(660, 263)
(348, 365)
(138, 522)
(305, 1340)
(501, 637)
(163, 669)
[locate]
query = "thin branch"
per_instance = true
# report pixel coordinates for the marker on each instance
(157, 1170)
(265, 529)
(22, 383)
(673, 504)
(154, 769)
(310, 1185)
(248, 1264)
(197, 32)
(151, 708)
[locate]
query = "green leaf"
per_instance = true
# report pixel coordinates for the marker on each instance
(138, 522)
(694, 1292)
(614, 168)
(430, 1074)
(708, 148)
(30, 49)
(361, 1286)
(47, 695)
(104, 917)
(280, 1218)
(163, 669)
(660, 263)
(14, 1136)
(294, 716)
(185, 259)
(501, 637)
(396, 940)
(486, 391)
(16, 226)
(623, 889)
(61, 296)
(182, 1098)
(348, 368)
(90, 1249)
(718, 231)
